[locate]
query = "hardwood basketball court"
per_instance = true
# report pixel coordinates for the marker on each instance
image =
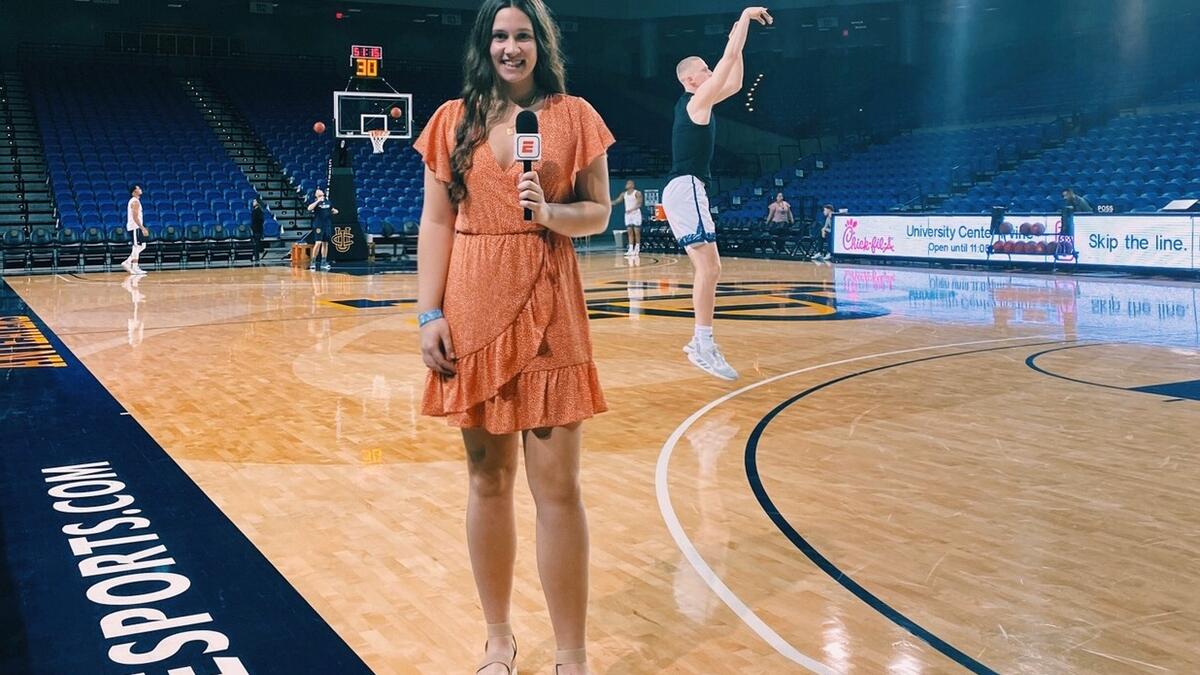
(918, 472)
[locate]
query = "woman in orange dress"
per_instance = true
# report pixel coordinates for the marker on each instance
(503, 320)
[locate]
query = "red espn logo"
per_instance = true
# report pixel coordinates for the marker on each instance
(529, 147)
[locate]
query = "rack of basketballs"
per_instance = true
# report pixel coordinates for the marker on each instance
(1031, 239)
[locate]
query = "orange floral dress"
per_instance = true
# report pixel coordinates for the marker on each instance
(514, 298)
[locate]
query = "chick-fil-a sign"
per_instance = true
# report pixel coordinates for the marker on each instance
(872, 245)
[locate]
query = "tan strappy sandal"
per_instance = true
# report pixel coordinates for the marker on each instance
(564, 657)
(496, 630)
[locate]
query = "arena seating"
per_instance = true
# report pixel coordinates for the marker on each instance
(1135, 163)
(104, 128)
(890, 175)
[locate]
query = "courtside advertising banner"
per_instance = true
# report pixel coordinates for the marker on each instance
(1149, 241)
(1136, 241)
(937, 237)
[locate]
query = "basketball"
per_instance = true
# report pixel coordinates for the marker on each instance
(1026, 228)
(395, 112)
(999, 247)
(1039, 229)
(319, 128)
(1006, 227)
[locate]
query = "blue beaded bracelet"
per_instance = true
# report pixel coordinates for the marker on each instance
(432, 315)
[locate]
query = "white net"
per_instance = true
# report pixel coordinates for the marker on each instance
(378, 138)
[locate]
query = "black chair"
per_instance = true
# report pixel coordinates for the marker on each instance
(120, 244)
(390, 237)
(789, 241)
(243, 244)
(43, 249)
(70, 248)
(196, 245)
(170, 246)
(153, 250)
(221, 245)
(14, 250)
(411, 232)
(95, 247)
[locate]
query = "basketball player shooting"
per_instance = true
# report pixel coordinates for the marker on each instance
(685, 199)
(323, 213)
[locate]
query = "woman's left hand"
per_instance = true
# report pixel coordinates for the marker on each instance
(529, 189)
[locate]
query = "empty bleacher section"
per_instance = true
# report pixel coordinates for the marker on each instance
(25, 201)
(904, 173)
(643, 146)
(1134, 163)
(104, 128)
(247, 151)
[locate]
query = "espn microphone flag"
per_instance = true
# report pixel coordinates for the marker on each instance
(528, 144)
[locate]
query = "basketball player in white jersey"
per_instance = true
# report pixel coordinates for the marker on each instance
(133, 223)
(633, 216)
(685, 199)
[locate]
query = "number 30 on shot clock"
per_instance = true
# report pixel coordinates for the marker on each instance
(365, 60)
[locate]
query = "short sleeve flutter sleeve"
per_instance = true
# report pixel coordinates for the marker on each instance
(592, 136)
(436, 142)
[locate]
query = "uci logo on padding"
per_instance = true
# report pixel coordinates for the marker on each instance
(343, 239)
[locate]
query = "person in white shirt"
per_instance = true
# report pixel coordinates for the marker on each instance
(135, 226)
(634, 201)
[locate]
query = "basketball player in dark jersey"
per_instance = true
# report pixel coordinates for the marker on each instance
(323, 213)
(685, 198)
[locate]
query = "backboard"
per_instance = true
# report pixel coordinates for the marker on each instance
(357, 112)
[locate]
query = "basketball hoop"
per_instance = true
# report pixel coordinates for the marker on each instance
(378, 138)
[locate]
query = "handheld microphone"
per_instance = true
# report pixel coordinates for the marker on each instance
(528, 142)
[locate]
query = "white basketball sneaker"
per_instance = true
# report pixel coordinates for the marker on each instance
(710, 359)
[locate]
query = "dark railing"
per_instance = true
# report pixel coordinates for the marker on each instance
(32, 54)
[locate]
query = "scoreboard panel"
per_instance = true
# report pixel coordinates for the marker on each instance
(365, 60)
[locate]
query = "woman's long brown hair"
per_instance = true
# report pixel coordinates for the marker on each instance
(482, 93)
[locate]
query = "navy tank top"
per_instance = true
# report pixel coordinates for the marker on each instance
(691, 144)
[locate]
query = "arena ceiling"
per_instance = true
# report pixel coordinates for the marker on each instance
(627, 9)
